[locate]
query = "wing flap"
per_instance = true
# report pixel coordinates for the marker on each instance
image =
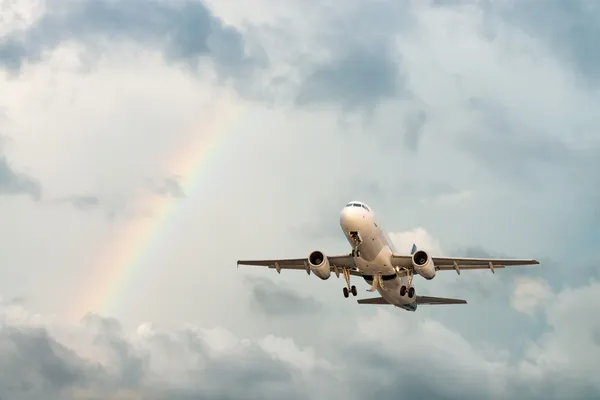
(481, 262)
(344, 261)
(449, 263)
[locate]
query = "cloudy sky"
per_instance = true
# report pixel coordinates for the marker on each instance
(146, 145)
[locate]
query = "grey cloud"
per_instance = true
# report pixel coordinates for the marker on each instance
(363, 76)
(184, 31)
(414, 128)
(81, 202)
(569, 28)
(13, 183)
(273, 300)
(99, 360)
(169, 186)
(37, 364)
(365, 68)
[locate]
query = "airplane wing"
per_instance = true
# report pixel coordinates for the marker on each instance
(457, 263)
(336, 262)
(420, 300)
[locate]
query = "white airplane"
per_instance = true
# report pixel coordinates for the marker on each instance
(375, 259)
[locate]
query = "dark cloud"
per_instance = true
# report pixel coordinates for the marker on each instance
(81, 202)
(169, 186)
(37, 364)
(13, 183)
(184, 31)
(569, 28)
(271, 299)
(33, 364)
(100, 360)
(365, 66)
(363, 76)
(414, 128)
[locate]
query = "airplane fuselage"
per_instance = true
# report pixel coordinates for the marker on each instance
(360, 226)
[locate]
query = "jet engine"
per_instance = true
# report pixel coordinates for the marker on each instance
(319, 265)
(423, 264)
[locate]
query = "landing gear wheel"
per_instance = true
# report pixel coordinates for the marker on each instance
(403, 291)
(353, 290)
(411, 292)
(346, 294)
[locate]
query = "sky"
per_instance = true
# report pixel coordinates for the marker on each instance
(145, 146)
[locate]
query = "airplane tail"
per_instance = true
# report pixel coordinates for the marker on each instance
(413, 250)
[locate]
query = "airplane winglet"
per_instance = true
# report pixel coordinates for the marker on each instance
(413, 250)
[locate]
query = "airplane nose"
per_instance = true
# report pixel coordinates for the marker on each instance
(349, 216)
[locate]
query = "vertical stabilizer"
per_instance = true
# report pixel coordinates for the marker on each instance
(414, 248)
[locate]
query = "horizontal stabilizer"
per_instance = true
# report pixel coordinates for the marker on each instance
(374, 300)
(438, 300)
(420, 300)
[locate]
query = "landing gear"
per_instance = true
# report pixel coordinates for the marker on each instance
(352, 290)
(411, 292)
(348, 289)
(357, 241)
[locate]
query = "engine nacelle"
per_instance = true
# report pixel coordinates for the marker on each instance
(319, 265)
(423, 264)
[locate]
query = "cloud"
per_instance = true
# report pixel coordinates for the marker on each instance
(272, 299)
(414, 129)
(14, 183)
(169, 186)
(99, 359)
(568, 28)
(102, 361)
(81, 202)
(530, 294)
(474, 124)
(419, 236)
(184, 32)
(364, 76)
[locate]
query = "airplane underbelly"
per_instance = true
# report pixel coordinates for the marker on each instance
(371, 263)
(390, 291)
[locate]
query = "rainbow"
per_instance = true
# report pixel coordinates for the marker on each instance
(133, 244)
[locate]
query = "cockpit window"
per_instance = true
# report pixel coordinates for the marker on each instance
(358, 205)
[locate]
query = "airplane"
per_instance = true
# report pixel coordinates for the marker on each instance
(375, 259)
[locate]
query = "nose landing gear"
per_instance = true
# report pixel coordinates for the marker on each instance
(356, 241)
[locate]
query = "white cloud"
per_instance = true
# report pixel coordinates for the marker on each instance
(497, 116)
(530, 294)
(99, 358)
(419, 236)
